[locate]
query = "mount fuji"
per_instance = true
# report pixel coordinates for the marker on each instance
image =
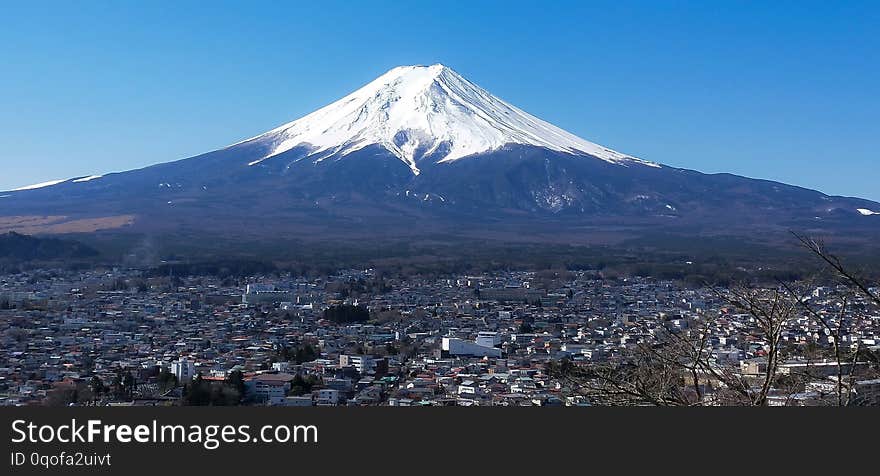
(419, 113)
(421, 150)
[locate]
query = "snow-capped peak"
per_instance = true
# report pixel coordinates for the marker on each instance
(419, 111)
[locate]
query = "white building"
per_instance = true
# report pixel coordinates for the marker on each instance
(453, 346)
(183, 369)
(304, 401)
(269, 388)
(327, 396)
(264, 294)
(362, 363)
(488, 339)
(281, 366)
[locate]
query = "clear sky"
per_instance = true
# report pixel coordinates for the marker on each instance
(783, 90)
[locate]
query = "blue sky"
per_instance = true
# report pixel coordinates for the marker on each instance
(782, 90)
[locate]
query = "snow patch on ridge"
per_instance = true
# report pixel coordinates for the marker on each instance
(56, 182)
(87, 179)
(39, 185)
(866, 212)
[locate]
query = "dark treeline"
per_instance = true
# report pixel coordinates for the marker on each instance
(23, 247)
(218, 268)
(229, 392)
(713, 260)
(359, 287)
(609, 263)
(298, 354)
(346, 314)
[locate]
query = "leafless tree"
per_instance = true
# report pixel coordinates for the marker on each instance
(817, 248)
(675, 367)
(856, 285)
(678, 367)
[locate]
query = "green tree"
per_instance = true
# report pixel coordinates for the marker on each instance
(97, 386)
(235, 379)
(302, 386)
(196, 393)
(129, 384)
(166, 380)
(346, 314)
(117, 385)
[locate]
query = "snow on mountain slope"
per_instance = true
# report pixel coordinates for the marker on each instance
(51, 183)
(87, 179)
(419, 111)
(39, 185)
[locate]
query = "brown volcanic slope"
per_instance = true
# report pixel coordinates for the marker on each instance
(59, 224)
